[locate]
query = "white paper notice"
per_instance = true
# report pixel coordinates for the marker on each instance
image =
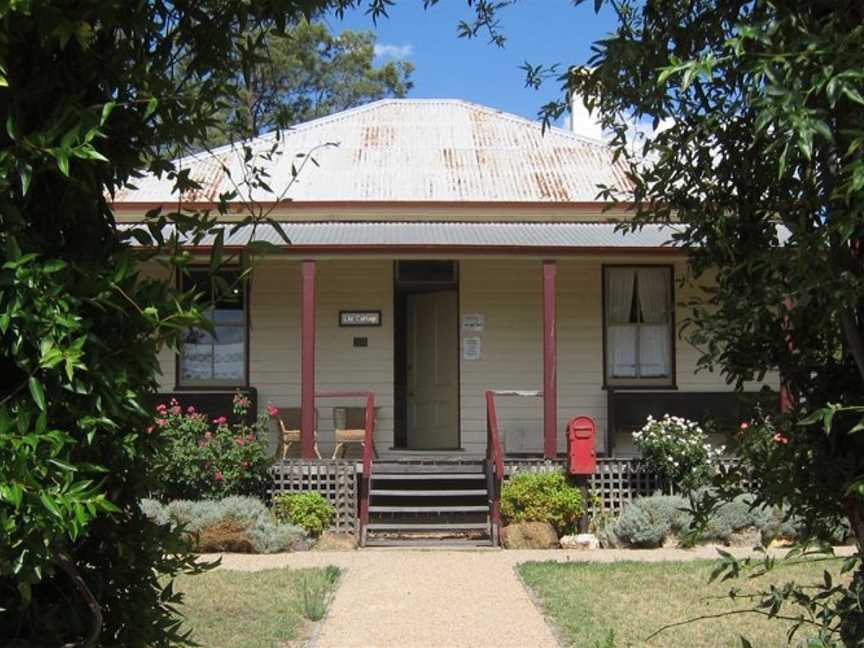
(471, 347)
(473, 321)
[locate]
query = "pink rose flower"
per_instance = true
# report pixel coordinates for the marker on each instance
(149, 429)
(240, 441)
(220, 421)
(174, 401)
(161, 422)
(251, 437)
(161, 408)
(745, 425)
(218, 475)
(272, 410)
(176, 410)
(779, 438)
(190, 409)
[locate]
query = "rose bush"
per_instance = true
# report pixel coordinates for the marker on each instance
(202, 458)
(678, 450)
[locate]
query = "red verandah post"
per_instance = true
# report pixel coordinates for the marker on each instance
(495, 458)
(550, 360)
(307, 360)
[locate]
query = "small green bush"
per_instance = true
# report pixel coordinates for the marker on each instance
(264, 533)
(310, 510)
(542, 497)
(648, 520)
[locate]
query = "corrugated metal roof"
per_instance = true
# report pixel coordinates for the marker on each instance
(429, 150)
(529, 236)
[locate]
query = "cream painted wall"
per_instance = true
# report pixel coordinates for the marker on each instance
(507, 291)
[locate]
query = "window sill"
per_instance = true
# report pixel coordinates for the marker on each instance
(646, 387)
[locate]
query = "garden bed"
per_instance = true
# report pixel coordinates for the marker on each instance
(622, 604)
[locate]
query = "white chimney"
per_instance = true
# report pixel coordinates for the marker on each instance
(582, 122)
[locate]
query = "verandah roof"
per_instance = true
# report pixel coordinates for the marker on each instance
(525, 237)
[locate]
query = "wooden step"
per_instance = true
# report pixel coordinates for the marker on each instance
(431, 469)
(435, 476)
(429, 509)
(432, 526)
(428, 493)
(428, 542)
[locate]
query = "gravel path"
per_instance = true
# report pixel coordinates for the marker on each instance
(439, 598)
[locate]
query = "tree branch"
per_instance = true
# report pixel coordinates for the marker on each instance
(65, 563)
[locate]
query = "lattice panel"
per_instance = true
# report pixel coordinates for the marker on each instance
(335, 479)
(617, 482)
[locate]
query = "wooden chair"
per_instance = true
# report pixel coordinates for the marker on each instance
(289, 427)
(349, 426)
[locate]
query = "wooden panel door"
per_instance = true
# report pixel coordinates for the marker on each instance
(432, 342)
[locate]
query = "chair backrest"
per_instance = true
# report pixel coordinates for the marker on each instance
(355, 417)
(290, 417)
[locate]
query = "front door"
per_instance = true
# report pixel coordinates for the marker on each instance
(432, 370)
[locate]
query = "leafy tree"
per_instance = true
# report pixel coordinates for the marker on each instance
(306, 73)
(91, 94)
(761, 162)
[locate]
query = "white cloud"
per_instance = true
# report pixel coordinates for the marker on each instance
(395, 52)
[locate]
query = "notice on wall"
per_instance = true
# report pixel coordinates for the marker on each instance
(471, 348)
(473, 321)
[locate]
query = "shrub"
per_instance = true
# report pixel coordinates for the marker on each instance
(200, 458)
(542, 497)
(241, 524)
(678, 450)
(310, 510)
(647, 521)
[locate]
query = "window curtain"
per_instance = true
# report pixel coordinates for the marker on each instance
(655, 348)
(621, 332)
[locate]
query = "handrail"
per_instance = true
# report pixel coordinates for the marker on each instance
(495, 452)
(368, 446)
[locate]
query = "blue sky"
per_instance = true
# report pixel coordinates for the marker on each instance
(539, 31)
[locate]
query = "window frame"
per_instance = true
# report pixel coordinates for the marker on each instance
(660, 382)
(179, 385)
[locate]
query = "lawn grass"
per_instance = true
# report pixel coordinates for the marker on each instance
(265, 609)
(588, 600)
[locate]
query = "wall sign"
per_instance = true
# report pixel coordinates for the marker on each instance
(360, 318)
(473, 321)
(471, 348)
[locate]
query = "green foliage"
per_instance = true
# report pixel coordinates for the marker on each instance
(309, 510)
(759, 163)
(678, 450)
(194, 517)
(542, 497)
(91, 95)
(203, 458)
(647, 521)
(309, 72)
(317, 588)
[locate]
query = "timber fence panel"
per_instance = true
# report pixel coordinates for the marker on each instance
(335, 479)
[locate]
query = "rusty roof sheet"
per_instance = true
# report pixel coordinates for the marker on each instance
(528, 236)
(418, 150)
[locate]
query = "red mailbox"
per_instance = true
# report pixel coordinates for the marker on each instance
(581, 446)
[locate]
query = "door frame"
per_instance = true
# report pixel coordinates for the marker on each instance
(400, 352)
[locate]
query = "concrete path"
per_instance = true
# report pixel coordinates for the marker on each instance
(439, 598)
